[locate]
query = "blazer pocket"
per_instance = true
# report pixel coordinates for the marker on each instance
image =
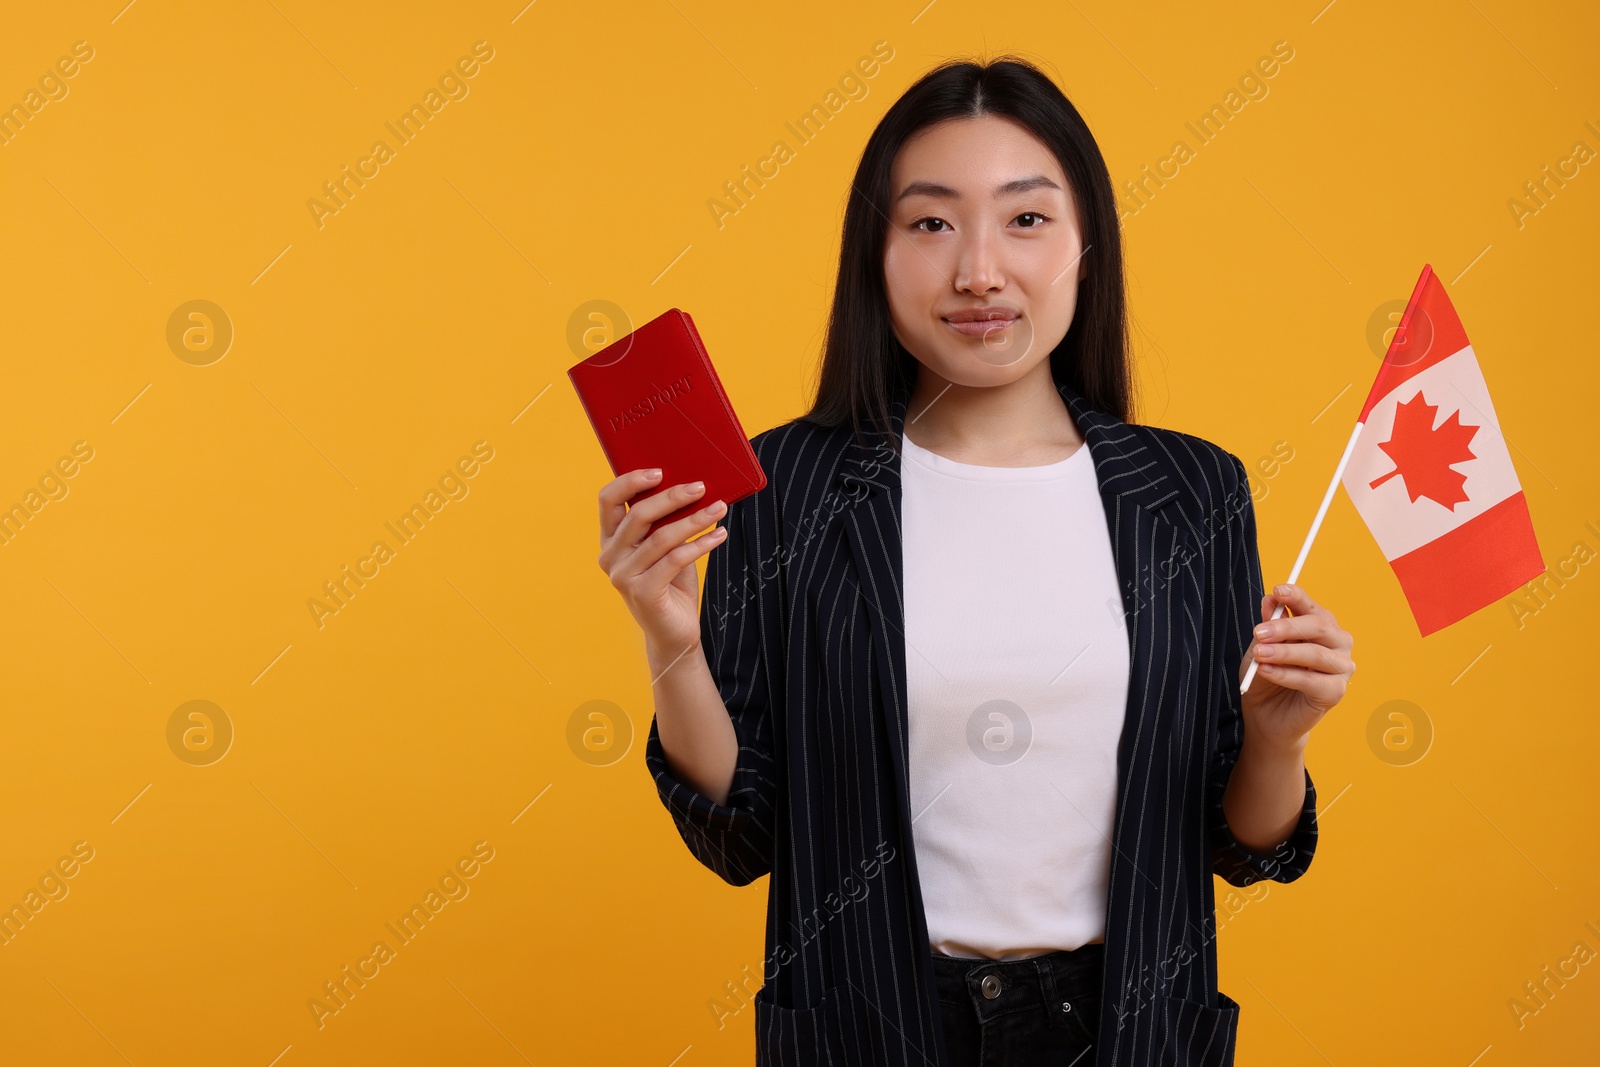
(799, 1037)
(1198, 1036)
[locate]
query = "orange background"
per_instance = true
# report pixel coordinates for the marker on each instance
(376, 346)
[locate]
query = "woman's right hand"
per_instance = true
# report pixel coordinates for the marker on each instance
(656, 574)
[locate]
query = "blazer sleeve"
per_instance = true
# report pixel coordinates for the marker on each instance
(738, 628)
(1236, 614)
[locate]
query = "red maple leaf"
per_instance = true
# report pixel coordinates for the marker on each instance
(1423, 452)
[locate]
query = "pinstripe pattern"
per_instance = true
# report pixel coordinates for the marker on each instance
(802, 625)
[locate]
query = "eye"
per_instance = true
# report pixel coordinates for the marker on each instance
(1034, 215)
(928, 218)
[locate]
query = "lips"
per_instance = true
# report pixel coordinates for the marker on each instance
(980, 315)
(982, 322)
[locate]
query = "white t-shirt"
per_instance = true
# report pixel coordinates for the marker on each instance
(1017, 668)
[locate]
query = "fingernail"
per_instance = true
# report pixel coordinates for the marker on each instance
(1281, 590)
(653, 473)
(1263, 630)
(695, 487)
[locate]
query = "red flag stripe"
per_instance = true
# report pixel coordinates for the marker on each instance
(1429, 331)
(1473, 565)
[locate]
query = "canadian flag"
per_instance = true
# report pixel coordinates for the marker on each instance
(1430, 475)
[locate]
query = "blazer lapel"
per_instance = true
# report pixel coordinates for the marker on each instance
(1135, 485)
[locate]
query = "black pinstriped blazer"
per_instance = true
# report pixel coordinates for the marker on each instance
(802, 626)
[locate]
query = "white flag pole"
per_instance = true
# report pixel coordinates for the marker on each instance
(1305, 548)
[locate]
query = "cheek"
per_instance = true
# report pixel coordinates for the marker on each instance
(913, 290)
(1063, 307)
(899, 281)
(895, 277)
(911, 277)
(1056, 287)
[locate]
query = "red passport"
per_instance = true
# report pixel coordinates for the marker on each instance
(654, 400)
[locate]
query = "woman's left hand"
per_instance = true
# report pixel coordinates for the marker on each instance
(1304, 668)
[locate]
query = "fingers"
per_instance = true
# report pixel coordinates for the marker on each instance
(615, 494)
(630, 531)
(1301, 654)
(645, 556)
(1316, 624)
(645, 512)
(1293, 627)
(1321, 688)
(669, 566)
(1307, 651)
(1297, 600)
(673, 534)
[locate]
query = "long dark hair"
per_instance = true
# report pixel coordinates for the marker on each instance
(864, 365)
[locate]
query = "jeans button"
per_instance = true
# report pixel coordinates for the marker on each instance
(991, 986)
(1066, 1005)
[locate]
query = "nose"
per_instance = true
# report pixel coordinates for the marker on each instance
(978, 266)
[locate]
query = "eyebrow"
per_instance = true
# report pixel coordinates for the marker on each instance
(1016, 185)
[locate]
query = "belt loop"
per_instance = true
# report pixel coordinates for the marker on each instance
(1051, 992)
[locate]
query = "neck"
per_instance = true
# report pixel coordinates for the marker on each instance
(1024, 423)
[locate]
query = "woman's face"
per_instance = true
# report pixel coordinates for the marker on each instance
(982, 221)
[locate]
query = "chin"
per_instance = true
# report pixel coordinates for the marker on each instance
(972, 373)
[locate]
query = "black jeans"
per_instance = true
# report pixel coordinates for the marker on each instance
(1040, 1010)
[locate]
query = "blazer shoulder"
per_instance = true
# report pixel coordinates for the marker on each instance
(798, 456)
(1208, 473)
(794, 439)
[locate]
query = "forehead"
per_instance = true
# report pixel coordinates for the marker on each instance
(974, 156)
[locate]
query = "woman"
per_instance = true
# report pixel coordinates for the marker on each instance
(965, 679)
